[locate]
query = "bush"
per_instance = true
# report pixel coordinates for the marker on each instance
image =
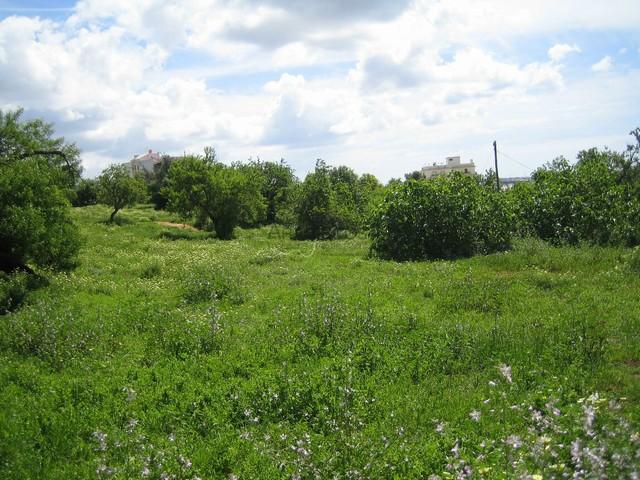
(440, 218)
(86, 193)
(35, 217)
(586, 202)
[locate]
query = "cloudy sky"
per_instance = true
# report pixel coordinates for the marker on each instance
(384, 86)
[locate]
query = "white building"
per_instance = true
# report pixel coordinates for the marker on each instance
(452, 164)
(145, 163)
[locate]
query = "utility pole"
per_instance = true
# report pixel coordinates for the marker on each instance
(495, 156)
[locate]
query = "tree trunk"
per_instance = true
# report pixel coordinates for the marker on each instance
(113, 215)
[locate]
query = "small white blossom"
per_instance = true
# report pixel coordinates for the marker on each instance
(475, 415)
(505, 370)
(513, 441)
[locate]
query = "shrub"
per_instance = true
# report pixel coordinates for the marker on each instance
(35, 217)
(211, 284)
(586, 202)
(86, 193)
(440, 218)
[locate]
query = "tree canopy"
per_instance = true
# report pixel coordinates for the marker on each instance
(36, 227)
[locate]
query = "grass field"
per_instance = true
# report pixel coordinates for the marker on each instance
(170, 354)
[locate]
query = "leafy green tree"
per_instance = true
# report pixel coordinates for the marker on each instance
(156, 182)
(35, 219)
(317, 215)
(22, 138)
(331, 200)
(118, 189)
(277, 183)
(86, 193)
(445, 217)
(596, 200)
(415, 175)
(221, 194)
(36, 227)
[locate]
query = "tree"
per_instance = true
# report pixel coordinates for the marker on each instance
(118, 189)
(317, 215)
(23, 138)
(36, 227)
(334, 199)
(222, 195)
(86, 193)
(596, 200)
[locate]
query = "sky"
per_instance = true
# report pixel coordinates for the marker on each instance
(382, 86)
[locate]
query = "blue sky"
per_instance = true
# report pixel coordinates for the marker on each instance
(383, 86)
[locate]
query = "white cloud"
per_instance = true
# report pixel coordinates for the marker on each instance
(604, 65)
(561, 50)
(407, 81)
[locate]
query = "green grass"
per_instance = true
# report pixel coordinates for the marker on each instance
(262, 357)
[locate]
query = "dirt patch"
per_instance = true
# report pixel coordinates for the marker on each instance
(183, 226)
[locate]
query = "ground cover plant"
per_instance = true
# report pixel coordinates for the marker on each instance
(265, 357)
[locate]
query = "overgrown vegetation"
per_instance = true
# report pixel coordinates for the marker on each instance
(445, 217)
(265, 357)
(36, 227)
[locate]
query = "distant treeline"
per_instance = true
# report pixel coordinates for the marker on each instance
(595, 200)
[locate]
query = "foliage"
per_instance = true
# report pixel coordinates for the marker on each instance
(333, 365)
(334, 199)
(596, 200)
(86, 193)
(35, 219)
(277, 182)
(19, 138)
(157, 181)
(445, 217)
(220, 194)
(118, 189)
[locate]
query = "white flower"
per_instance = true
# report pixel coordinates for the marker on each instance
(475, 415)
(492, 383)
(131, 393)
(505, 370)
(513, 441)
(440, 427)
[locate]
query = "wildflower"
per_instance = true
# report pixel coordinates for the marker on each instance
(536, 415)
(145, 472)
(172, 437)
(513, 441)
(131, 393)
(456, 450)
(552, 408)
(475, 415)
(589, 417)
(505, 370)
(492, 383)
(131, 425)
(101, 438)
(184, 462)
(440, 427)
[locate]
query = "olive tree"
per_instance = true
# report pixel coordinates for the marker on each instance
(118, 189)
(220, 194)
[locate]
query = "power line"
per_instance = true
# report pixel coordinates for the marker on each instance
(513, 159)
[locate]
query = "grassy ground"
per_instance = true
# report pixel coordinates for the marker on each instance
(169, 354)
